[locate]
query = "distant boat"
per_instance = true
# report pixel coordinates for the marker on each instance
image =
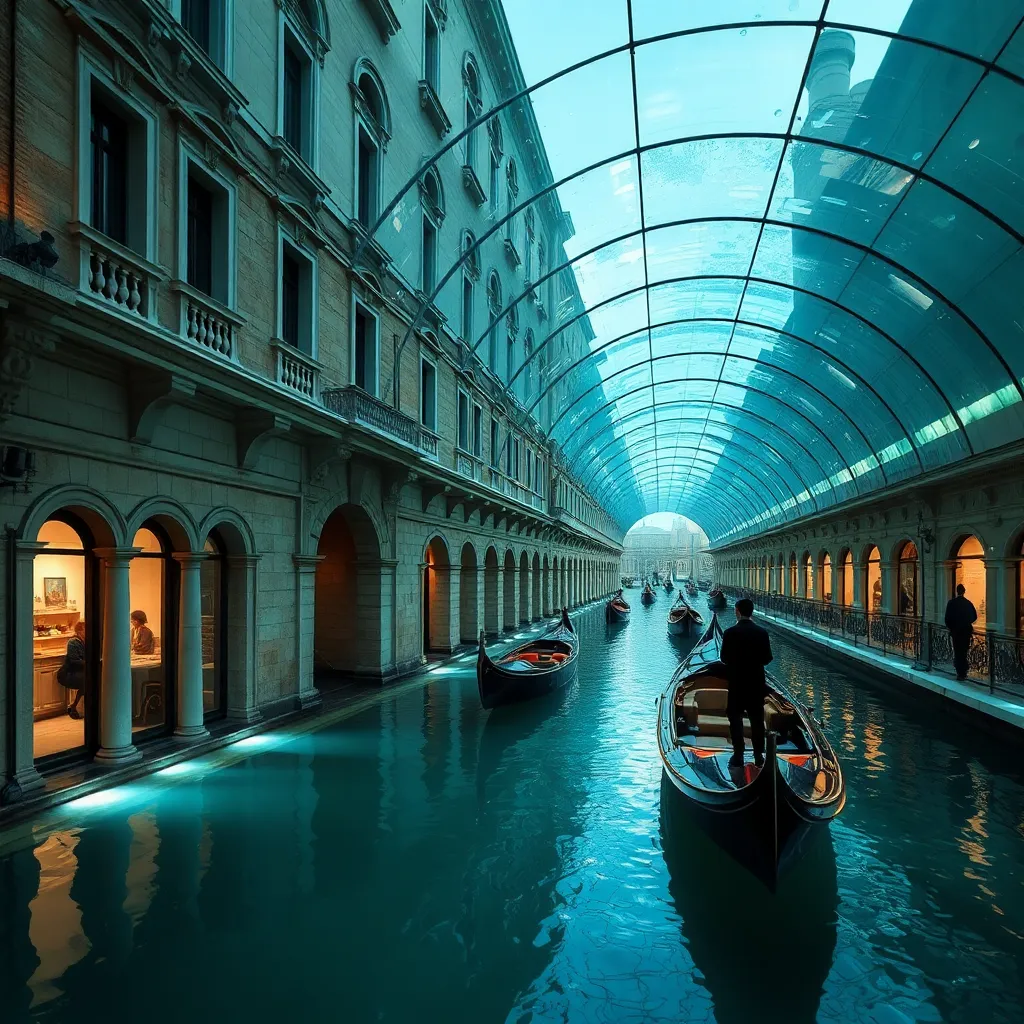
(762, 817)
(716, 600)
(617, 609)
(683, 619)
(669, 585)
(530, 670)
(648, 596)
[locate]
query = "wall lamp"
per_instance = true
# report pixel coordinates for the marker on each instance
(17, 467)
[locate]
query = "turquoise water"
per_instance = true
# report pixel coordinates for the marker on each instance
(422, 860)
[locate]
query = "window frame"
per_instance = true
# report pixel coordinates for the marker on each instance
(462, 399)
(430, 19)
(374, 316)
(288, 32)
(477, 427)
(222, 18)
(90, 70)
(308, 255)
(189, 157)
(378, 132)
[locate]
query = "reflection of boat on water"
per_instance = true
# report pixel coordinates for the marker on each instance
(762, 816)
(764, 956)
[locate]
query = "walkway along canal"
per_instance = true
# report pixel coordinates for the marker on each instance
(422, 860)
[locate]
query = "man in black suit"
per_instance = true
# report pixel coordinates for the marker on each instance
(961, 616)
(746, 649)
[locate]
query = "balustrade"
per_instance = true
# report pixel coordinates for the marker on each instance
(354, 404)
(297, 371)
(114, 275)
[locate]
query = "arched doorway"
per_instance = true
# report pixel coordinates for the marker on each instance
(969, 569)
(846, 579)
(65, 639)
(469, 626)
(509, 601)
(491, 624)
(873, 580)
(152, 586)
(436, 599)
(908, 597)
(792, 575)
(808, 576)
(524, 587)
(347, 597)
(826, 577)
(538, 604)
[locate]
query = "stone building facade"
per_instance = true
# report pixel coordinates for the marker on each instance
(211, 414)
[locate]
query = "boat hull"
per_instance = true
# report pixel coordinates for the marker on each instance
(717, 602)
(646, 598)
(613, 614)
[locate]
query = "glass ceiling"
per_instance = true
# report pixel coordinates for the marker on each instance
(790, 266)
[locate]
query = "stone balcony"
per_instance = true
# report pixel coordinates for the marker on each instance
(296, 371)
(363, 410)
(206, 322)
(114, 276)
(469, 466)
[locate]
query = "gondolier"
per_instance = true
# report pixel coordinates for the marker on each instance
(746, 650)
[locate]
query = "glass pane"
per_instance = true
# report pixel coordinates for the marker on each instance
(148, 664)
(62, 666)
(59, 535)
(655, 17)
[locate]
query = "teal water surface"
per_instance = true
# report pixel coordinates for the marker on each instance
(424, 860)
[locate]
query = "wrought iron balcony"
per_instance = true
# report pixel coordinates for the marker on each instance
(372, 414)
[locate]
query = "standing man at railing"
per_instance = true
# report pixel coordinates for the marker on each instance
(960, 618)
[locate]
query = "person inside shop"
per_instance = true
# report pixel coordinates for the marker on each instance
(72, 673)
(960, 618)
(142, 635)
(746, 649)
(876, 595)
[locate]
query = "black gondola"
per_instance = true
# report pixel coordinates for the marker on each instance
(648, 596)
(760, 816)
(683, 619)
(530, 670)
(691, 589)
(669, 585)
(716, 600)
(617, 609)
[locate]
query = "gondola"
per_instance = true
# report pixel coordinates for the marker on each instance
(669, 586)
(716, 600)
(531, 669)
(762, 817)
(617, 609)
(648, 596)
(691, 590)
(682, 618)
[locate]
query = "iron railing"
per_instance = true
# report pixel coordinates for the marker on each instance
(994, 660)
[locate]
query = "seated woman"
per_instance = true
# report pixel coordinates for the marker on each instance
(142, 635)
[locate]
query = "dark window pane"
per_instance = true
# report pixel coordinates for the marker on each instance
(200, 237)
(195, 19)
(291, 283)
(362, 340)
(293, 75)
(367, 169)
(109, 141)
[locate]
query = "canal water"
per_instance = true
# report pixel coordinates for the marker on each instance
(421, 860)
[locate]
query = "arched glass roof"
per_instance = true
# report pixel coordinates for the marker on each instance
(789, 266)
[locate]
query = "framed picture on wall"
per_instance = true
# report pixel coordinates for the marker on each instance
(55, 591)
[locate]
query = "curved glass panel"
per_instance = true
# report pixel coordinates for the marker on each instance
(741, 259)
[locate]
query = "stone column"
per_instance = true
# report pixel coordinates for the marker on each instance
(190, 648)
(308, 695)
(116, 746)
(25, 777)
(243, 704)
(512, 614)
(454, 608)
(890, 587)
(481, 602)
(860, 581)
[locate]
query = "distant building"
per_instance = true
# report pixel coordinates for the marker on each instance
(648, 549)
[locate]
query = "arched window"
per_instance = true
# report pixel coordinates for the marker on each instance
(470, 275)
(494, 306)
(808, 573)
(373, 130)
(969, 569)
(873, 581)
(512, 324)
(511, 198)
(826, 577)
(792, 575)
(846, 582)
(473, 106)
(432, 198)
(497, 150)
(906, 602)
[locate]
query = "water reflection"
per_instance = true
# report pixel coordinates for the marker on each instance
(423, 860)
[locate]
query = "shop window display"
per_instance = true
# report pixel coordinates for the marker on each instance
(147, 576)
(970, 571)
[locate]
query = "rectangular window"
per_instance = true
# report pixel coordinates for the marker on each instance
(366, 187)
(294, 76)
(471, 116)
(463, 421)
(509, 462)
(429, 254)
(364, 361)
(495, 183)
(428, 394)
(515, 460)
(200, 236)
(529, 469)
(467, 310)
(478, 432)
(510, 359)
(195, 20)
(492, 348)
(431, 52)
(495, 442)
(109, 142)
